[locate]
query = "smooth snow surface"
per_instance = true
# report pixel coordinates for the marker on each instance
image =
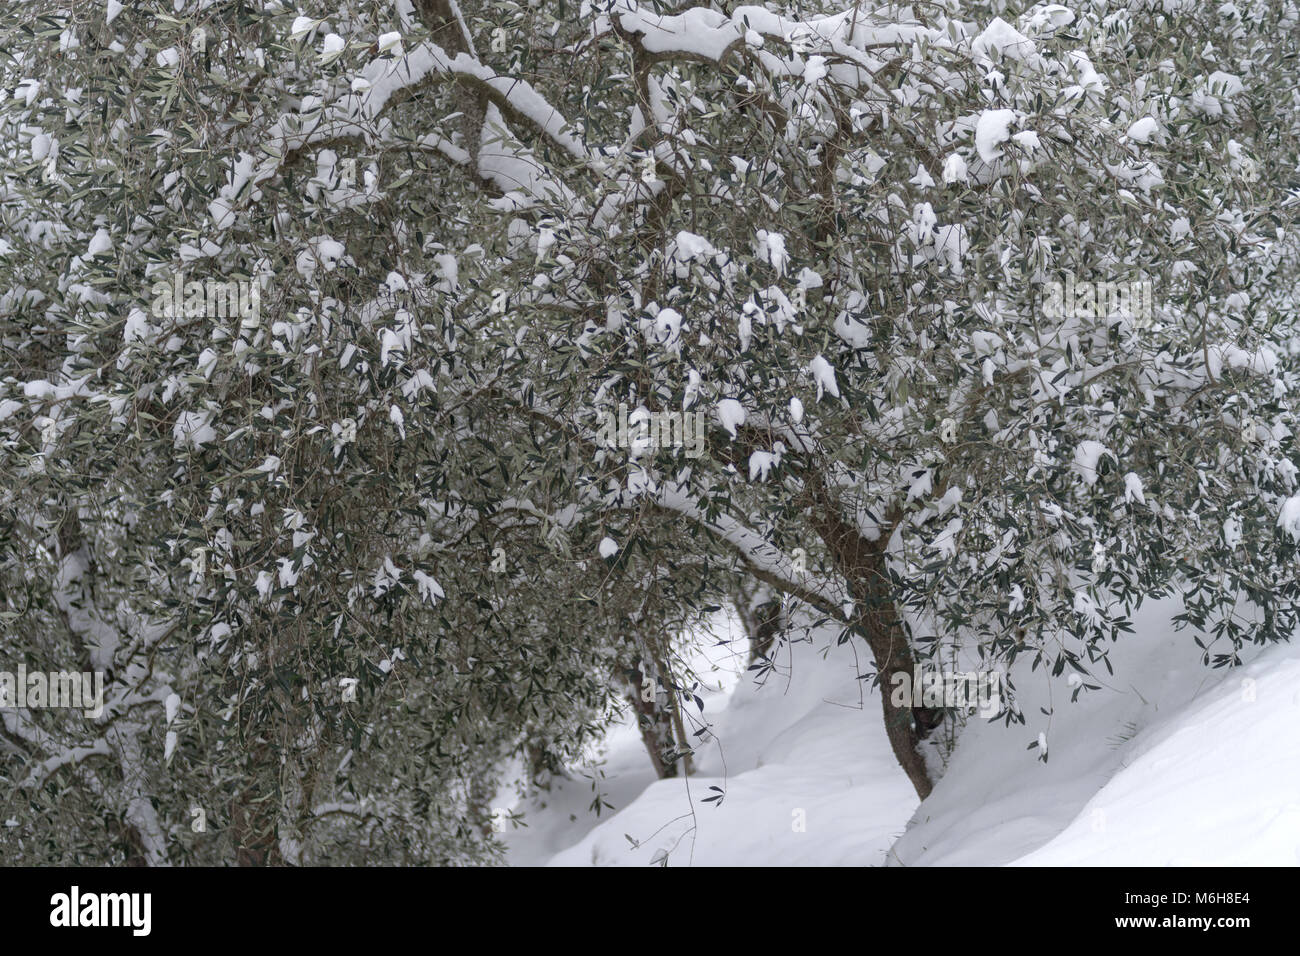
(1171, 763)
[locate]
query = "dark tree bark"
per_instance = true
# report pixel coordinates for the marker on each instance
(762, 623)
(654, 722)
(480, 805)
(862, 564)
(450, 33)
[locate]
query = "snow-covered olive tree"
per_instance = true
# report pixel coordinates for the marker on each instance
(353, 354)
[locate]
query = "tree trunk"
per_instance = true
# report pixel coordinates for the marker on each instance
(862, 563)
(654, 722)
(763, 623)
(482, 816)
(253, 814)
(448, 30)
(253, 829)
(543, 766)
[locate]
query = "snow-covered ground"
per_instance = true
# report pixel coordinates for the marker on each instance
(802, 761)
(1170, 762)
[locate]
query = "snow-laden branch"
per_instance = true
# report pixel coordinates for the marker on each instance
(75, 599)
(385, 81)
(514, 169)
(710, 36)
(66, 757)
(763, 559)
(516, 98)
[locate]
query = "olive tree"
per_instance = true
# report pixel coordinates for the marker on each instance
(316, 319)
